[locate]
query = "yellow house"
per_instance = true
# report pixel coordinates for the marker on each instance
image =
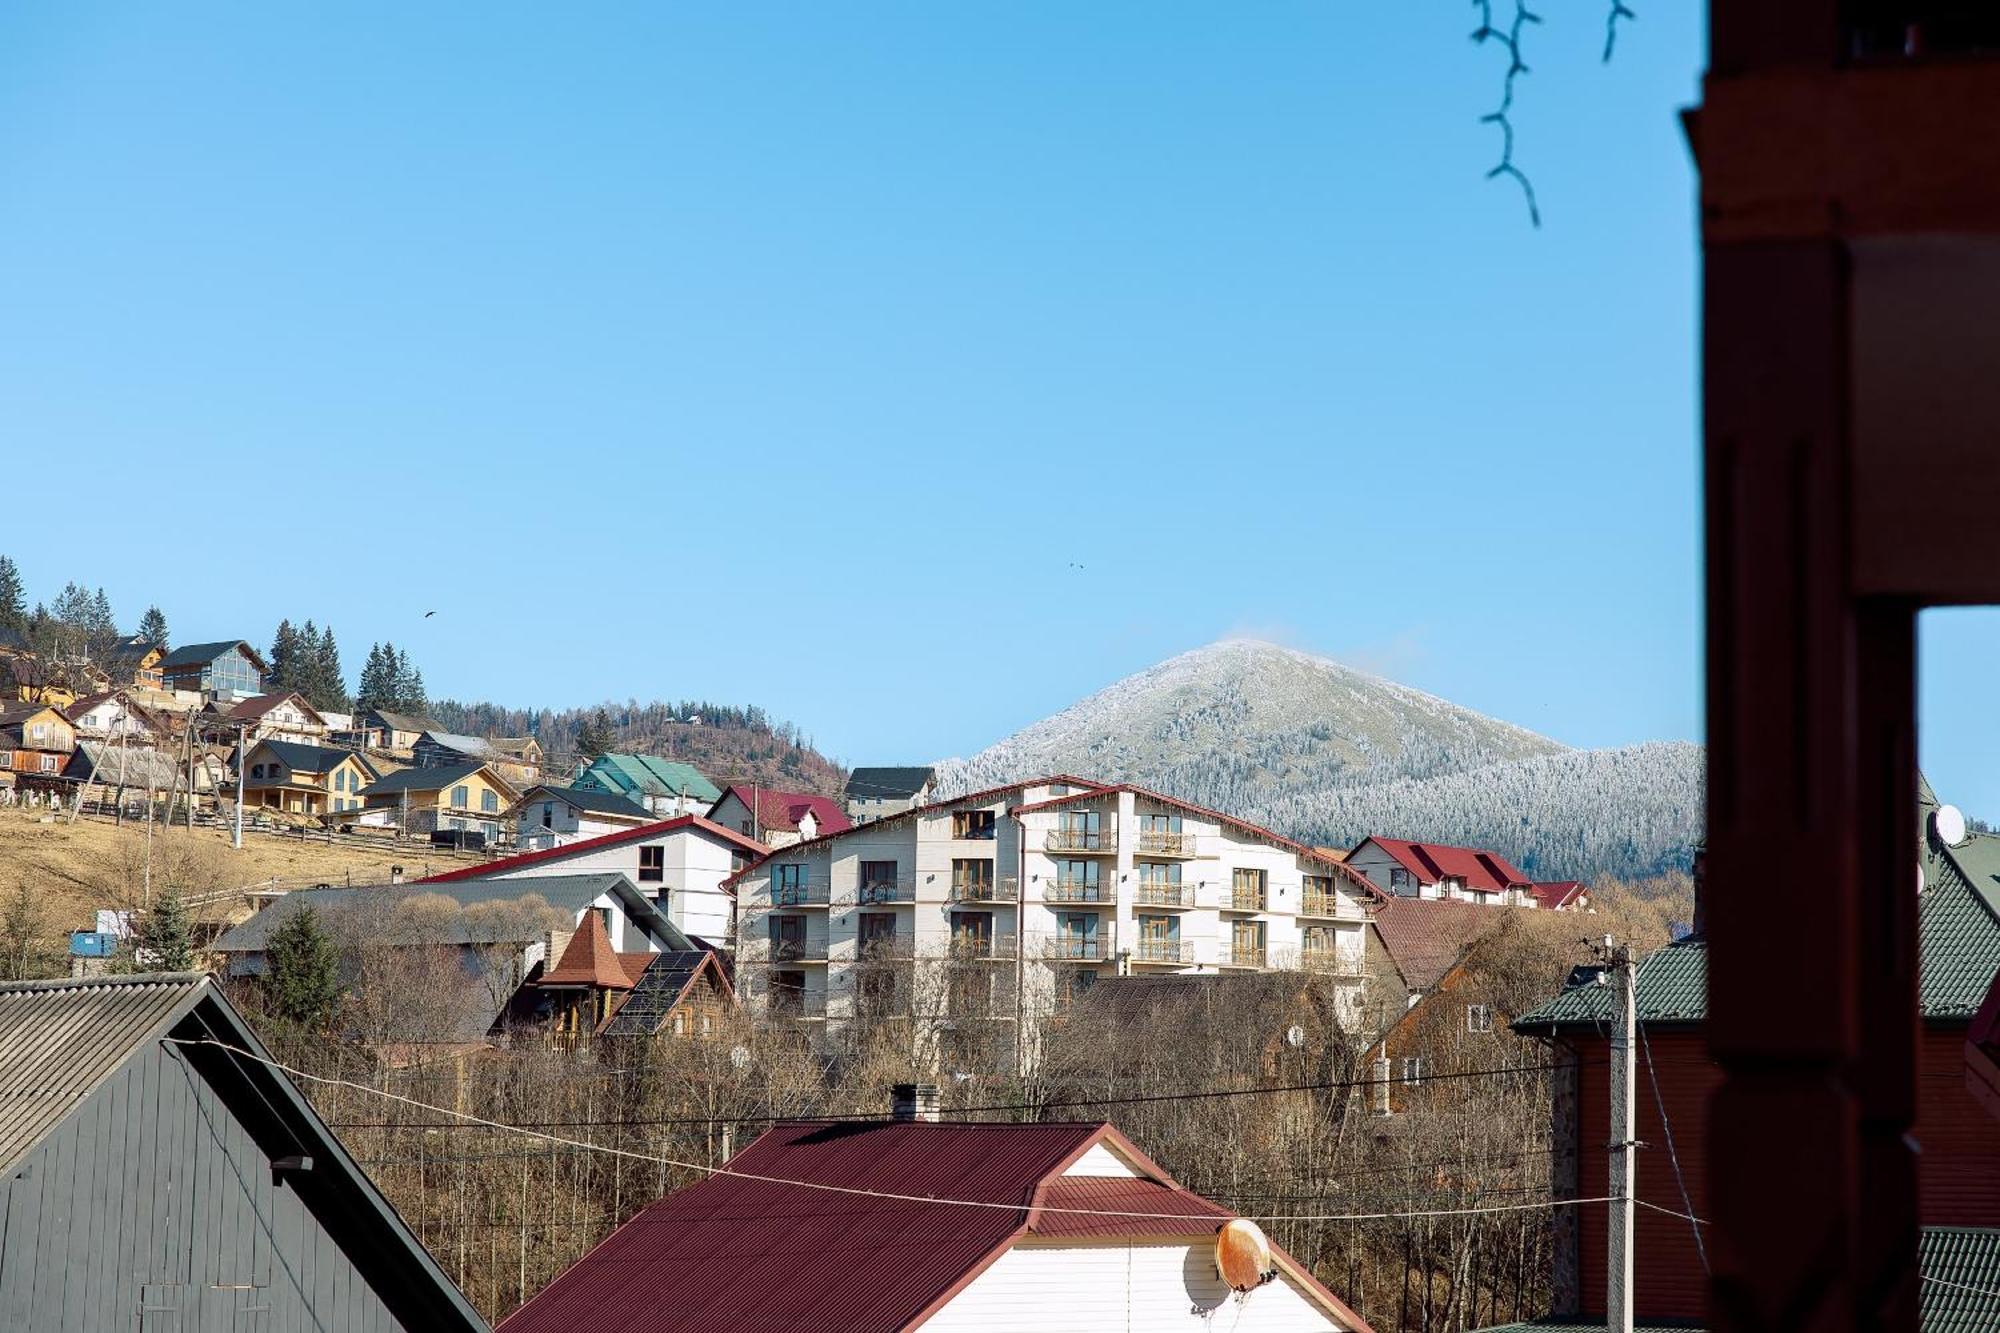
(304, 779)
(471, 797)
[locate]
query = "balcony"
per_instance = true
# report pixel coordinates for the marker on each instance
(1159, 894)
(1077, 891)
(984, 891)
(1333, 962)
(981, 949)
(891, 891)
(798, 895)
(1071, 950)
(1324, 903)
(783, 1002)
(793, 951)
(1241, 899)
(885, 949)
(1176, 953)
(1089, 842)
(1165, 844)
(1244, 955)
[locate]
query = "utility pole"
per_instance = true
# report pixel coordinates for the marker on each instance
(1618, 975)
(236, 839)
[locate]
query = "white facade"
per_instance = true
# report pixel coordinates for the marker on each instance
(111, 718)
(1373, 862)
(1055, 884)
(732, 812)
(546, 820)
(681, 869)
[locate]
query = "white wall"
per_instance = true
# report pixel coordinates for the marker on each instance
(696, 863)
(1047, 1285)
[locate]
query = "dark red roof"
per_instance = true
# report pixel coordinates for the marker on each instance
(1482, 871)
(1556, 893)
(590, 960)
(785, 810)
(508, 864)
(1425, 936)
(770, 1254)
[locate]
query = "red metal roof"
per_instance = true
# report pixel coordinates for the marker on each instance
(1558, 893)
(507, 864)
(1482, 871)
(739, 1253)
(1425, 936)
(784, 810)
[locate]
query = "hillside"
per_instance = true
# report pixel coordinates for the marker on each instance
(1327, 753)
(725, 743)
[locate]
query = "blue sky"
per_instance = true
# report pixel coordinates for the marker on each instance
(794, 353)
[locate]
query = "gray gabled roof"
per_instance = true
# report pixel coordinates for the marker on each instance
(592, 802)
(475, 746)
(200, 654)
(61, 1040)
(888, 784)
(398, 721)
(657, 992)
(421, 779)
(303, 758)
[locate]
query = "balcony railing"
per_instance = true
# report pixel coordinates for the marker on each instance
(1080, 951)
(795, 951)
(1164, 844)
(798, 895)
(1323, 902)
(885, 949)
(1097, 841)
(786, 1003)
(1164, 951)
(984, 891)
(1244, 900)
(1245, 955)
(1159, 894)
(886, 891)
(1333, 962)
(980, 949)
(1077, 891)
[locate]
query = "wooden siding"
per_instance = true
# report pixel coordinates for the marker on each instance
(1958, 1171)
(151, 1208)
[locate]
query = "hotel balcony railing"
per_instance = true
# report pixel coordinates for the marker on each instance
(794, 951)
(885, 949)
(1323, 902)
(798, 895)
(1078, 891)
(1158, 894)
(1333, 962)
(980, 949)
(1098, 841)
(1164, 951)
(1244, 900)
(1245, 955)
(886, 891)
(1080, 951)
(984, 891)
(794, 1004)
(1164, 844)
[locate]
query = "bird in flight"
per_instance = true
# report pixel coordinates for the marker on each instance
(429, 614)
(1074, 565)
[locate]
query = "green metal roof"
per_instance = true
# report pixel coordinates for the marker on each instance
(647, 775)
(1961, 1288)
(1958, 940)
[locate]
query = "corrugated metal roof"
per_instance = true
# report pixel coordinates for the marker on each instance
(60, 1039)
(424, 779)
(200, 654)
(745, 1254)
(648, 775)
(571, 893)
(1425, 936)
(1431, 861)
(1116, 1194)
(303, 758)
(592, 801)
(1672, 987)
(888, 784)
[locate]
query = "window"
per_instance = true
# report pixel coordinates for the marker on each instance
(876, 933)
(972, 824)
(706, 1022)
(1076, 935)
(972, 933)
(1478, 1018)
(788, 884)
(460, 797)
(1160, 885)
(972, 878)
(1076, 882)
(878, 879)
(1413, 1070)
(548, 814)
(652, 864)
(1399, 879)
(1160, 939)
(489, 801)
(788, 993)
(1159, 823)
(680, 1024)
(746, 827)
(1246, 890)
(256, 770)
(788, 937)
(1081, 830)
(48, 763)
(1246, 943)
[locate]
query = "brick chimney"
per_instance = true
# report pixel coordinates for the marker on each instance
(914, 1101)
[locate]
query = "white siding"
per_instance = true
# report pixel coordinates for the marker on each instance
(1044, 1287)
(1100, 1161)
(690, 890)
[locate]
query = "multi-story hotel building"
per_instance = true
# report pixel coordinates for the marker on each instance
(1002, 904)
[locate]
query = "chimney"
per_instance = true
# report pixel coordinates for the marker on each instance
(914, 1101)
(395, 874)
(557, 941)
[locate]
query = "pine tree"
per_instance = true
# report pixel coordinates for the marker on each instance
(377, 683)
(410, 686)
(167, 935)
(13, 597)
(329, 688)
(71, 611)
(284, 648)
(596, 736)
(302, 971)
(153, 627)
(103, 629)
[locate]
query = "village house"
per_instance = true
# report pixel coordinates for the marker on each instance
(983, 1227)
(778, 818)
(304, 779)
(872, 793)
(228, 670)
(135, 663)
(1958, 1169)
(276, 717)
(56, 677)
(683, 864)
(595, 991)
(1436, 870)
(101, 770)
(36, 739)
(379, 729)
(115, 713)
(462, 797)
(550, 815)
(222, 1199)
(501, 932)
(663, 786)
(1058, 880)
(518, 759)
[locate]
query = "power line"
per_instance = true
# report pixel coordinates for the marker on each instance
(1135, 1100)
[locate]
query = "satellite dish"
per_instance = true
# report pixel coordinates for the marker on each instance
(1242, 1255)
(740, 1057)
(1949, 824)
(1295, 1036)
